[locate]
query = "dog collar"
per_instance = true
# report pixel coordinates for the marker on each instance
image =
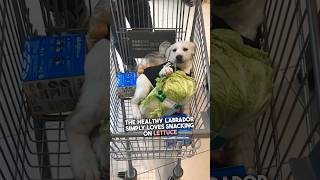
(175, 68)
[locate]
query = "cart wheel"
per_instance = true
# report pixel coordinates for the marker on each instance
(134, 176)
(177, 173)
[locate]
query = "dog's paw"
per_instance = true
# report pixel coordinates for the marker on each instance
(136, 114)
(101, 147)
(86, 167)
(166, 71)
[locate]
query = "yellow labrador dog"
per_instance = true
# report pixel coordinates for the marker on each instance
(181, 54)
(88, 151)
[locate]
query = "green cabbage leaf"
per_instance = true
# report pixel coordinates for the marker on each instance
(241, 81)
(177, 87)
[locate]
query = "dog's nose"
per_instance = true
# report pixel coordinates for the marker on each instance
(179, 59)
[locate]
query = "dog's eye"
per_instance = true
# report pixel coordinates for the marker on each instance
(185, 49)
(174, 50)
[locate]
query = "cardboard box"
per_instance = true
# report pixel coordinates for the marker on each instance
(53, 72)
(126, 84)
(54, 95)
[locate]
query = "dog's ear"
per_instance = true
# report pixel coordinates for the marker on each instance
(163, 47)
(192, 48)
(168, 52)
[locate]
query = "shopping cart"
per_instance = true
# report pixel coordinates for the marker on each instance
(139, 29)
(35, 147)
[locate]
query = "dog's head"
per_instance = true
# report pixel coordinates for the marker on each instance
(181, 52)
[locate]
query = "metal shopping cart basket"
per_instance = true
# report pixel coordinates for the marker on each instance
(288, 134)
(139, 28)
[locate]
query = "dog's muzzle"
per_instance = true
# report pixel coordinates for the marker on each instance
(179, 59)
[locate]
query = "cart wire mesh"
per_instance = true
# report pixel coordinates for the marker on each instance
(289, 130)
(155, 16)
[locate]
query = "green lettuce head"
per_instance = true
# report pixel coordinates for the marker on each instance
(241, 78)
(177, 87)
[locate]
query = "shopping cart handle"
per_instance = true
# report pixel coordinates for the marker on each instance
(199, 133)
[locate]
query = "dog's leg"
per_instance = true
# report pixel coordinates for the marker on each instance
(240, 150)
(143, 88)
(78, 127)
(101, 147)
(166, 71)
(87, 115)
(90, 110)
